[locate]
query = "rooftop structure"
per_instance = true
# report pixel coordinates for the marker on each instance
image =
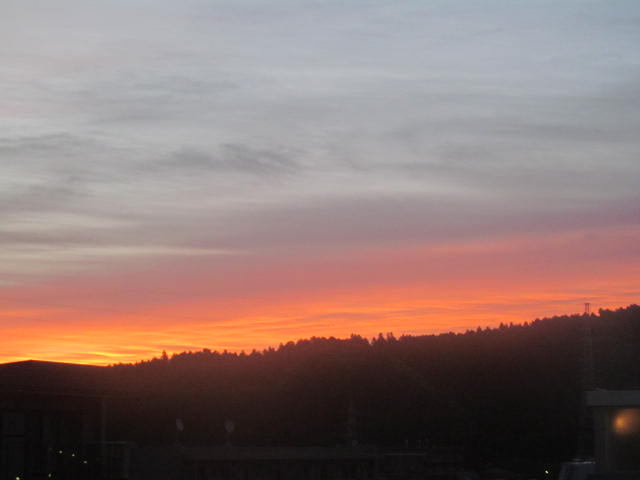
(617, 433)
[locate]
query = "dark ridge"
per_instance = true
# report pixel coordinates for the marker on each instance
(508, 395)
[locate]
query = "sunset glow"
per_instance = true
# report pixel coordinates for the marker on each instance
(413, 290)
(236, 175)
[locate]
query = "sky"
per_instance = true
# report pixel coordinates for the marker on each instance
(236, 174)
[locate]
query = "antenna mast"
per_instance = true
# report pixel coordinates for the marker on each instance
(588, 375)
(585, 427)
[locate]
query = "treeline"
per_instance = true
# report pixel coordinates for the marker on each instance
(508, 395)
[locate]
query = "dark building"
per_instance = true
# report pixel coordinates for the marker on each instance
(295, 463)
(52, 421)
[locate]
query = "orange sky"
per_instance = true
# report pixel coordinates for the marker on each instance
(132, 314)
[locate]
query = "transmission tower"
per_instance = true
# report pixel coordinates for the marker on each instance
(587, 383)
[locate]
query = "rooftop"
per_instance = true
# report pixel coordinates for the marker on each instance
(613, 398)
(53, 378)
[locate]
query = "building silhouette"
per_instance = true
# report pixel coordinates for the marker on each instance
(55, 423)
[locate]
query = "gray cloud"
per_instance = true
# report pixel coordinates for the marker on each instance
(233, 158)
(242, 124)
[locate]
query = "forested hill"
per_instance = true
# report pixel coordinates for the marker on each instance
(508, 395)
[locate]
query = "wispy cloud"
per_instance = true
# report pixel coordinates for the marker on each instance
(166, 135)
(229, 159)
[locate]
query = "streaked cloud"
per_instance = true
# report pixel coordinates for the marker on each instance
(166, 136)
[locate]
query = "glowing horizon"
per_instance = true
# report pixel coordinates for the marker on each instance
(235, 174)
(64, 348)
(379, 293)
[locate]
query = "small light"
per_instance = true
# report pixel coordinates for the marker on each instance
(17, 478)
(49, 475)
(85, 462)
(546, 472)
(60, 452)
(73, 454)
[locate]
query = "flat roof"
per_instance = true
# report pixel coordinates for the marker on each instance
(613, 398)
(54, 378)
